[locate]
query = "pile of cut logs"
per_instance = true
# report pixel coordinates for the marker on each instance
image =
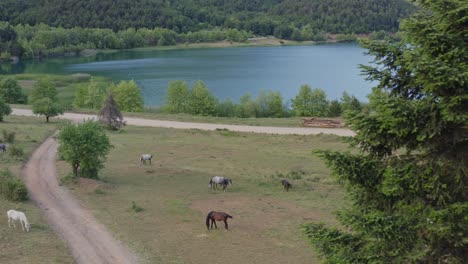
(321, 122)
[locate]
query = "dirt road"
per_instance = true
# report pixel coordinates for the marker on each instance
(89, 241)
(204, 126)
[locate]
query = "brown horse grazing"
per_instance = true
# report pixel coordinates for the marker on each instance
(216, 216)
(286, 185)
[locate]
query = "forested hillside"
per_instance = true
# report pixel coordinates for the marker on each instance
(263, 17)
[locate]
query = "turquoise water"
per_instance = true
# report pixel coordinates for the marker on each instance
(227, 72)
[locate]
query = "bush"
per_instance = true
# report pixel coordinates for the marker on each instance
(136, 208)
(12, 188)
(16, 152)
(8, 137)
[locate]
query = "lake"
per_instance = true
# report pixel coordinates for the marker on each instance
(227, 72)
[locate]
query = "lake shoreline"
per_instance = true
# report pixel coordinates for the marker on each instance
(252, 42)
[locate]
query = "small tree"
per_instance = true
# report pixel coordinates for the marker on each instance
(11, 91)
(177, 97)
(85, 147)
(246, 107)
(44, 88)
(275, 105)
(350, 103)
(302, 103)
(47, 108)
(226, 108)
(128, 96)
(202, 102)
(90, 95)
(110, 114)
(310, 102)
(335, 109)
(4, 108)
(44, 99)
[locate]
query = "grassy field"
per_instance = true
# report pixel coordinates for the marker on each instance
(40, 245)
(174, 196)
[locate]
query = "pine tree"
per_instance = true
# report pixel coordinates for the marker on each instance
(408, 181)
(110, 114)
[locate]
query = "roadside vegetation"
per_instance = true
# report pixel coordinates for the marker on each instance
(182, 102)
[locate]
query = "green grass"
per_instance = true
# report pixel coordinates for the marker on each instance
(40, 245)
(174, 194)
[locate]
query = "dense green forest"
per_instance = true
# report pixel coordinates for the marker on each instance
(40, 28)
(262, 17)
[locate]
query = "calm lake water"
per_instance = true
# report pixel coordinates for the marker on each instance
(227, 72)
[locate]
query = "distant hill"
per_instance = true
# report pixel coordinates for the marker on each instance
(263, 17)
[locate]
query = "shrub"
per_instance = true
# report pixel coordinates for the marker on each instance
(8, 136)
(16, 152)
(136, 208)
(12, 188)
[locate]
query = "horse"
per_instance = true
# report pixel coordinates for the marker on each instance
(286, 185)
(18, 216)
(214, 181)
(3, 147)
(145, 157)
(217, 216)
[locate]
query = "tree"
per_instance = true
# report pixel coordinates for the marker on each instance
(226, 108)
(334, 109)
(270, 104)
(110, 115)
(11, 91)
(177, 97)
(246, 107)
(89, 95)
(310, 102)
(4, 109)
(128, 96)
(47, 108)
(302, 103)
(85, 147)
(201, 102)
(408, 182)
(44, 88)
(44, 99)
(350, 103)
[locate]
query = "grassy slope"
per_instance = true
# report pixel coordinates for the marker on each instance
(174, 194)
(40, 245)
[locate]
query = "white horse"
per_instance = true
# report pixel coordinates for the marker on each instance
(145, 157)
(215, 180)
(18, 216)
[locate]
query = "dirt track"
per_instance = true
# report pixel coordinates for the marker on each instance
(204, 126)
(89, 241)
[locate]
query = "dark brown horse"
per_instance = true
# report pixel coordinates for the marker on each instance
(216, 216)
(286, 185)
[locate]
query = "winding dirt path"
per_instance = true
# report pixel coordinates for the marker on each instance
(89, 241)
(204, 126)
